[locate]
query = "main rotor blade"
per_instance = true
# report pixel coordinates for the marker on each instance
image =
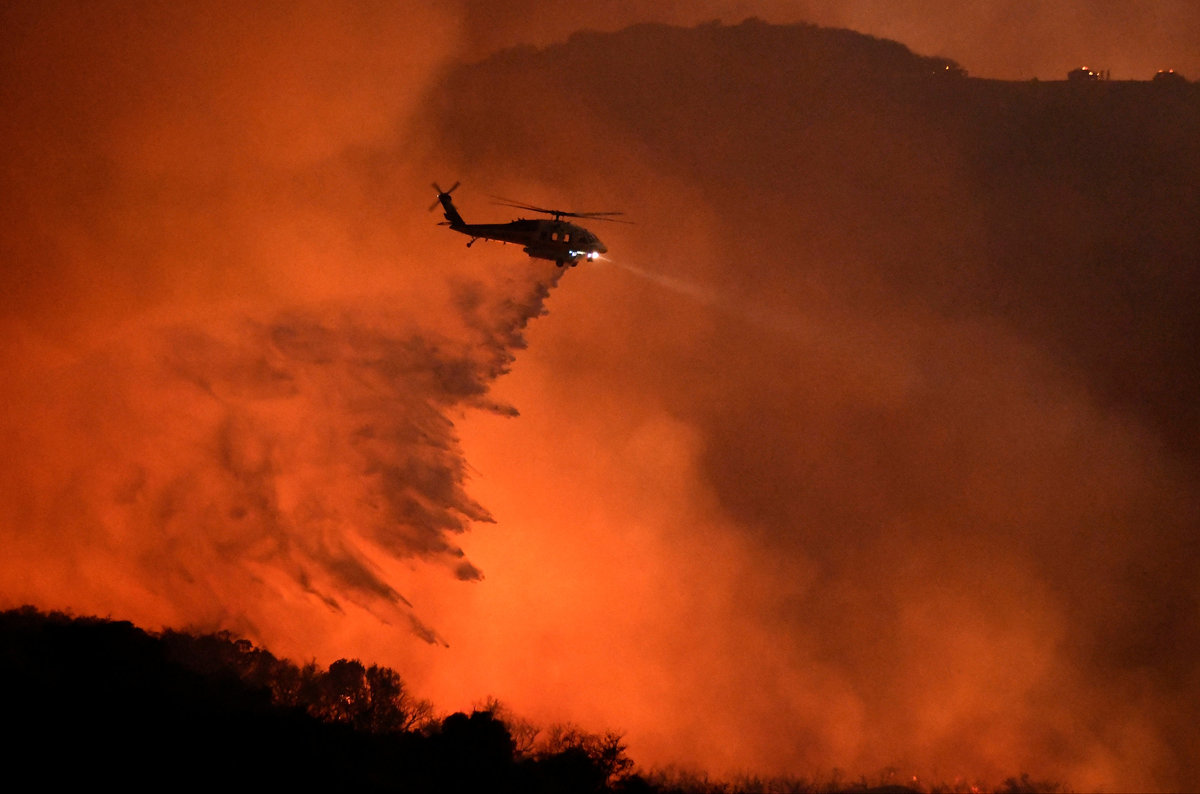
(505, 202)
(599, 216)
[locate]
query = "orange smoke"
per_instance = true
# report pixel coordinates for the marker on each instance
(840, 462)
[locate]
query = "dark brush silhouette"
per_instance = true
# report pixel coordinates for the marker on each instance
(89, 702)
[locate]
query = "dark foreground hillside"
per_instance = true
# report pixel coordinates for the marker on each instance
(89, 702)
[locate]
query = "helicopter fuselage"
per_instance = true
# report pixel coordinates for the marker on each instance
(560, 241)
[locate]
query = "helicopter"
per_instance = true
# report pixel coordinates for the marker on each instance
(560, 241)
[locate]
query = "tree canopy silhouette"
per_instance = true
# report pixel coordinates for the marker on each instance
(90, 700)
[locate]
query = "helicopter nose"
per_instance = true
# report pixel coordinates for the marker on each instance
(599, 247)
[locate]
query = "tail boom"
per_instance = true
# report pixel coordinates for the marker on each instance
(448, 209)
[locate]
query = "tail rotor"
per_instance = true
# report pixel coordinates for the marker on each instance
(442, 193)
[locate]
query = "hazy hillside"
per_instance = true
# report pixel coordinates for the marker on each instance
(934, 342)
(1068, 210)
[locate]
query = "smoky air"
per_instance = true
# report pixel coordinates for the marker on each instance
(871, 444)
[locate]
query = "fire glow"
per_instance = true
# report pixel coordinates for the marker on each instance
(843, 473)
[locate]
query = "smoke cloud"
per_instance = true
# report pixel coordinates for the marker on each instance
(875, 436)
(873, 445)
(221, 456)
(232, 384)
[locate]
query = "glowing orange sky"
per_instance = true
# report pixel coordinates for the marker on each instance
(231, 327)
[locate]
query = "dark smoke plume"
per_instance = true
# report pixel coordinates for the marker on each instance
(928, 359)
(899, 470)
(205, 414)
(219, 456)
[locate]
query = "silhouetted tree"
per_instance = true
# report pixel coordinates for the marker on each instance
(391, 709)
(473, 753)
(604, 750)
(341, 693)
(524, 732)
